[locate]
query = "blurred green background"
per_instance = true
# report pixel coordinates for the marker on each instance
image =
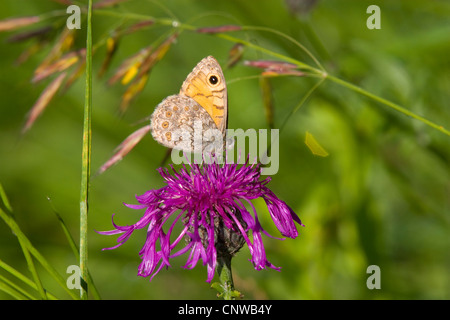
(380, 198)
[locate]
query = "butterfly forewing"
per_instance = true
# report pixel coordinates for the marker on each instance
(206, 85)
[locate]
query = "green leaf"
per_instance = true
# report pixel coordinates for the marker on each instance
(5, 199)
(27, 244)
(75, 250)
(315, 146)
(22, 278)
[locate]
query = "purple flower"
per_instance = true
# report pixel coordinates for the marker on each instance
(210, 200)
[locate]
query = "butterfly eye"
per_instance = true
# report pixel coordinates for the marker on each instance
(213, 80)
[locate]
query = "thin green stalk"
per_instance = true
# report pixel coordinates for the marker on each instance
(283, 35)
(129, 15)
(52, 14)
(33, 270)
(86, 160)
(11, 291)
(76, 252)
(5, 199)
(22, 278)
(16, 273)
(17, 288)
(268, 52)
(293, 111)
(387, 103)
(135, 16)
(305, 97)
(20, 235)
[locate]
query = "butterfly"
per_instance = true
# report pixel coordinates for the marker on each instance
(195, 120)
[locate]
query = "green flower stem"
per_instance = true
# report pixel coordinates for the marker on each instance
(86, 160)
(227, 291)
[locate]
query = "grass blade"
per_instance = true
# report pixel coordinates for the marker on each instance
(11, 291)
(33, 270)
(18, 289)
(75, 250)
(23, 278)
(86, 159)
(26, 242)
(5, 199)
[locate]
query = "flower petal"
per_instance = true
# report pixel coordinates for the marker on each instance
(205, 197)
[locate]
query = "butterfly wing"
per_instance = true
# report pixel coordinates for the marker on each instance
(206, 85)
(179, 122)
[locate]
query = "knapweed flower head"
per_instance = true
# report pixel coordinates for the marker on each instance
(210, 201)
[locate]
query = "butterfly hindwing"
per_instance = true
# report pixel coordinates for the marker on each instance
(179, 122)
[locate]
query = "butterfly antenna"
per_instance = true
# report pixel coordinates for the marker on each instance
(166, 157)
